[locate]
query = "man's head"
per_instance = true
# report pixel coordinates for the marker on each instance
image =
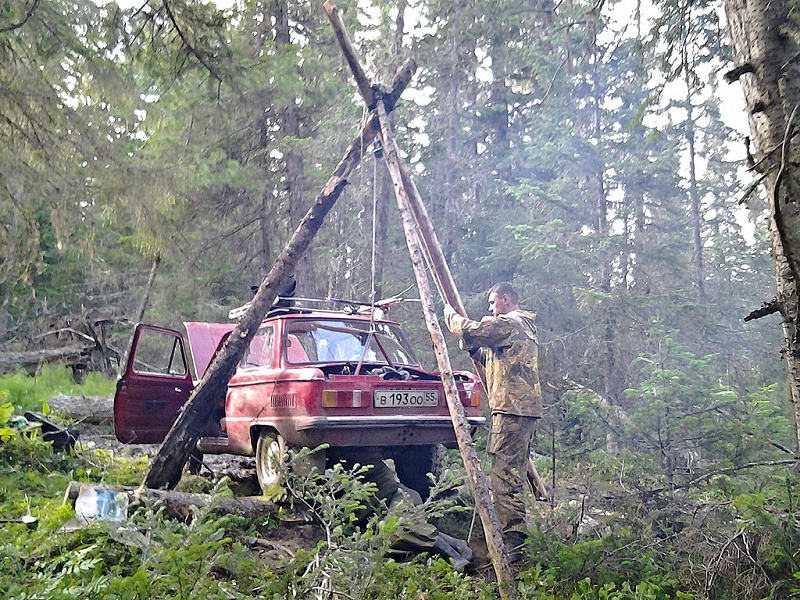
(503, 298)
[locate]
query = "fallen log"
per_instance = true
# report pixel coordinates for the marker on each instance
(32, 360)
(180, 504)
(85, 409)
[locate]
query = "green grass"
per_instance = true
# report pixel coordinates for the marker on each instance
(31, 393)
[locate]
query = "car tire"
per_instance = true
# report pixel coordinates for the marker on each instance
(270, 454)
(414, 464)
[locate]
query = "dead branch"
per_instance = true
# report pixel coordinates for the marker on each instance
(550, 87)
(766, 308)
(24, 20)
(753, 187)
(782, 448)
(190, 47)
(728, 471)
(741, 534)
(735, 74)
(69, 330)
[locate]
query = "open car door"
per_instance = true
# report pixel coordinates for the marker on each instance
(155, 385)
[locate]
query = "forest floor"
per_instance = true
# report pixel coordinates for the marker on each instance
(96, 431)
(93, 420)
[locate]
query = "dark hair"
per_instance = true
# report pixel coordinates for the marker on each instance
(505, 289)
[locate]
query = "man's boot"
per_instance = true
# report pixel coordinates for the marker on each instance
(458, 545)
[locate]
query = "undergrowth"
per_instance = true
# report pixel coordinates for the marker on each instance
(734, 536)
(28, 392)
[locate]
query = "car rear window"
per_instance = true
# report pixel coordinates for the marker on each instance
(261, 351)
(320, 341)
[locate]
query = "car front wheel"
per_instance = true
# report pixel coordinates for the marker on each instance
(270, 453)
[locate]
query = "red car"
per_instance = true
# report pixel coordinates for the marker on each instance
(309, 377)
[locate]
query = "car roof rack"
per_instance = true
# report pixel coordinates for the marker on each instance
(299, 305)
(295, 305)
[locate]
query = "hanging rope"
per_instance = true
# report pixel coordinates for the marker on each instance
(377, 152)
(372, 329)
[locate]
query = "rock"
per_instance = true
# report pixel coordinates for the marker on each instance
(87, 409)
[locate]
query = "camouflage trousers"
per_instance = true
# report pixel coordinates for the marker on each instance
(509, 446)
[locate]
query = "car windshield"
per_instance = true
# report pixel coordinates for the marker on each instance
(340, 340)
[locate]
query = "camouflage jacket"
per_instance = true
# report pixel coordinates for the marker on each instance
(507, 347)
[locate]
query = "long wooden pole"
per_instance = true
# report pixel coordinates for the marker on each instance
(480, 487)
(472, 463)
(166, 468)
(364, 85)
(442, 272)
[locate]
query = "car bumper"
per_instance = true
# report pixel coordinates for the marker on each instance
(376, 430)
(348, 431)
(350, 422)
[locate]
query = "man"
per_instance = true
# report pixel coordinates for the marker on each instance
(506, 345)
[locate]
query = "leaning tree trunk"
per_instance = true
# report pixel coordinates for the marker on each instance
(764, 38)
(166, 467)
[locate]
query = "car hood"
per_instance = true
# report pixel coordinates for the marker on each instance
(204, 338)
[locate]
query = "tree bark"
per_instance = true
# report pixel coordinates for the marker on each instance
(167, 465)
(295, 165)
(764, 38)
(10, 361)
(180, 504)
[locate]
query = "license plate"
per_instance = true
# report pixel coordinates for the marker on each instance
(405, 398)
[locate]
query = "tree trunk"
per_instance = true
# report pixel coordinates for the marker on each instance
(472, 463)
(266, 228)
(453, 188)
(167, 465)
(694, 192)
(764, 39)
(295, 167)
